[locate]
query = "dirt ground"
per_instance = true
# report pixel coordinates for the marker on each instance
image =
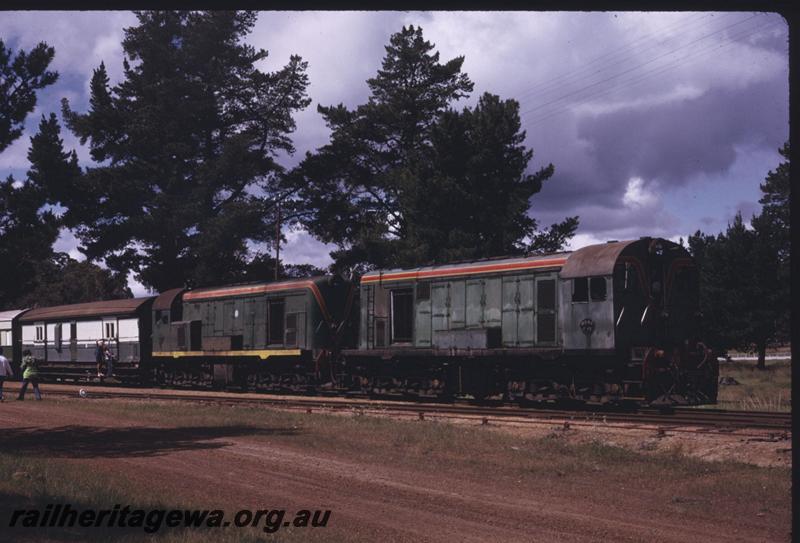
(374, 498)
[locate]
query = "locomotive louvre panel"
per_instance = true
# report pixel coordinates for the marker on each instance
(365, 321)
(219, 318)
(295, 330)
(492, 297)
(227, 318)
(380, 316)
(510, 308)
(182, 344)
(260, 322)
(422, 321)
(248, 323)
(458, 304)
(440, 310)
(525, 317)
(475, 303)
(238, 316)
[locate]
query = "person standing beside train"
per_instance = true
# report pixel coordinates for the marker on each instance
(30, 374)
(99, 356)
(109, 358)
(5, 371)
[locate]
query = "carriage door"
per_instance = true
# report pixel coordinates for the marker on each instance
(545, 311)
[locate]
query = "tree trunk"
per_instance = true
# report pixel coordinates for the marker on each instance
(762, 356)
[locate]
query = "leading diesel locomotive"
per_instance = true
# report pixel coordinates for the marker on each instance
(610, 323)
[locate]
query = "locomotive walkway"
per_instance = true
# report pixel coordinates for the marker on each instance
(679, 419)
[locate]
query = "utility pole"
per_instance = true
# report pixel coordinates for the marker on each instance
(278, 242)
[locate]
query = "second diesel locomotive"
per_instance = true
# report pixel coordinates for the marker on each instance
(613, 322)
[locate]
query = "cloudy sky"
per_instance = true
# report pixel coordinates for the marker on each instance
(657, 123)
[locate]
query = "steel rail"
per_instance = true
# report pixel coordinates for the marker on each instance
(707, 418)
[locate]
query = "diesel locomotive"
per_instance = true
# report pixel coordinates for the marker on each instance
(609, 323)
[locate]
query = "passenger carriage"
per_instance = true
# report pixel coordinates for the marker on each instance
(63, 338)
(10, 337)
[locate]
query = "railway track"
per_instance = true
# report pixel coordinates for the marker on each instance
(675, 419)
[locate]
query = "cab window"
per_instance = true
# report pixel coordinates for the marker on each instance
(597, 287)
(580, 289)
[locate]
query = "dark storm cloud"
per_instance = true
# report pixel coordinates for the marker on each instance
(673, 142)
(621, 149)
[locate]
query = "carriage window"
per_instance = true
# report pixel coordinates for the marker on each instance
(402, 315)
(598, 289)
(5, 338)
(423, 291)
(276, 312)
(580, 289)
(110, 330)
(39, 333)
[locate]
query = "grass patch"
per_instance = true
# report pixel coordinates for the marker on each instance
(758, 390)
(425, 448)
(34, 483)
(436, 446)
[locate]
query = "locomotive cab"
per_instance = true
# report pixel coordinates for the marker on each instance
(636, 302)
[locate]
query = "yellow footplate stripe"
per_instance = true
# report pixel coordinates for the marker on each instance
(262, 354)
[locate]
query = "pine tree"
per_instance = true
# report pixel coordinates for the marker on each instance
(33, 274)
(187, 143)
(406, 179)
(744, 274)
(772, 229)
(20, 77)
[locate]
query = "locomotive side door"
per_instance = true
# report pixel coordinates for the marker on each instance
(440, 306)
(509, 311)
(546, 311)
(525, 320)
